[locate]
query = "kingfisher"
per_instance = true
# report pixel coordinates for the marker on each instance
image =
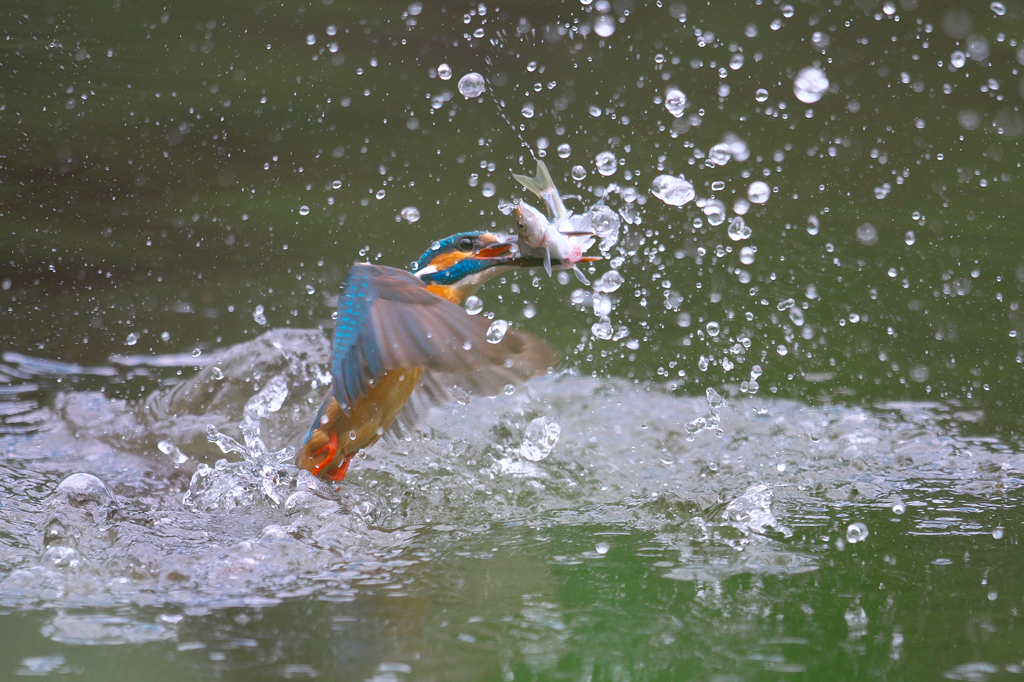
(397, 331)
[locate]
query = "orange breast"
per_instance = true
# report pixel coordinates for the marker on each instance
(445, 292)
(366, 422)
(372, 415)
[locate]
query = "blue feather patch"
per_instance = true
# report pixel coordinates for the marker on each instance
(446, 244)
(355, 357)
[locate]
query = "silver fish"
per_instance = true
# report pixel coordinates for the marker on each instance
(560, 235)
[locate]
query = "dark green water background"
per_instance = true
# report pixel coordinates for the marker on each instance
(165, 169)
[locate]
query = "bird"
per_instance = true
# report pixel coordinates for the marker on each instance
(400, 333)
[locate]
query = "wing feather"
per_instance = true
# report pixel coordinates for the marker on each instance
(388, 320)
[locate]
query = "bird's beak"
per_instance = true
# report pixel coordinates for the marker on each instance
(507, 253)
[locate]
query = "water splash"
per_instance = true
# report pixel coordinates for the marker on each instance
(260, 476)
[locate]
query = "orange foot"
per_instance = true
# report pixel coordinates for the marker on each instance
(332, 451)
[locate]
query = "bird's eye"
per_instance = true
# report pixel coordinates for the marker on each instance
(465, 244)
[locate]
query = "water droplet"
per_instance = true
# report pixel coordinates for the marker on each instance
(761, 95)
(172, 451)
(898, 508)
(496, 332)
(303, 210)
(736, 61)
(474, 305)
(675, 101)
(810, 85)
(739, 230)
(720, 154)
(674, 191)
(856, 532)
(978, 48)
(715, 211)
(311, 39)
(606, 163)
(797, 316)
(529, 311)
(540, 438)
(919, 373)
(509, 389)
(713, 328)
(81, 490)
(998, 8)
(197, 352)
(527, 110)
(578, 173)
(684, 320)
(813, 225)
(746, 255)
(472, 85)
(608, 282)
(217, 373)
(258, 316)
(958, 59)
(758, 192)
(410, 214)
(602, 305)
(602, 329)
(381, 193)
(602, 548)
(564, 150)
(909, 238)
(604, 26)
(488, 189)
(132, 339)
(444, 72)
(997, 533)
(867, 234)
(785, 305)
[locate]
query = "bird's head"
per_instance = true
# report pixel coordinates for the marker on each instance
(464, 261)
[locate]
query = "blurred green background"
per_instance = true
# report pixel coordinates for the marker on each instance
(165, 170)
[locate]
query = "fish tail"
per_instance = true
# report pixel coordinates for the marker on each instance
(540, 184)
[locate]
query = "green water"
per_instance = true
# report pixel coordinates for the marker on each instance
(165, 170)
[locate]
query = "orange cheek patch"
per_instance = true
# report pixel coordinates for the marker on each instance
(446, 260)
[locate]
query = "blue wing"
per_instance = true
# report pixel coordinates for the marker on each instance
(354, 358)
(388, 320)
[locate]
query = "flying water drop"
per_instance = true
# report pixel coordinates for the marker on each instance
(608, 282)
(810, 84)
(471, 85)
(474, 305)
(606, 163)
(410, 214)
(856, 532)
(675, 101)
(540, 439)
(496, 332)
(758, 192)
(738, 231)
(674, 191)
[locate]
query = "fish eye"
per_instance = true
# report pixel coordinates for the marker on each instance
(465, 244)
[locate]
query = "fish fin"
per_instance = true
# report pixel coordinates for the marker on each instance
(547, 261)
(582, 224)
(590, 259)
(539, 184)
(579, 275)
